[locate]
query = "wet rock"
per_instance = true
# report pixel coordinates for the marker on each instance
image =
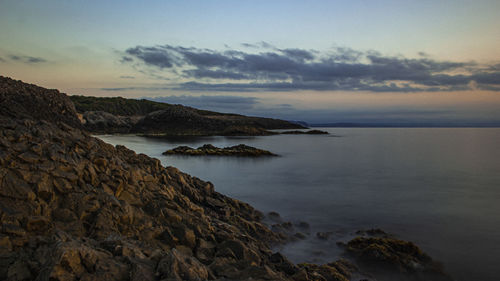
(274, 216)
(310, 132)
(377, 254)
(208, 149)
(283, 264)
(299, 235)
(323, 235)
(336, 271)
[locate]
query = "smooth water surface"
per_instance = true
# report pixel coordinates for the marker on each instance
(437, 187)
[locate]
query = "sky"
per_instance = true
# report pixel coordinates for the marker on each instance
(314, 61)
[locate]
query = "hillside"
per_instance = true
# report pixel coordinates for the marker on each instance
(120, 115)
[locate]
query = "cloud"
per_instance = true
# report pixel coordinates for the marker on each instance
(126, 59)
(289, 69)
(217, 103)
(249, 45)
(26, 59)
(127, 77)
(259, 45)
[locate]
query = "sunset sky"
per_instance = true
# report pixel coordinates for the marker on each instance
(316, 61)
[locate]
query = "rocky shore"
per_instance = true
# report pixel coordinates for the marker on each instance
(75, 208)
(310, 132)
(208, 149)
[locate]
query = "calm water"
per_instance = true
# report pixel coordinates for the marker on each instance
(437, 187)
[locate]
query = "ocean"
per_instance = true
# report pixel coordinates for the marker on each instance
(437, 187)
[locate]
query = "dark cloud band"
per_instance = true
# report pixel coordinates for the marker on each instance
(274, 69)
(27, 59)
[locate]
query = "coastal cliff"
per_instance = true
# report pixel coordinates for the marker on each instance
(75, 208)
(120, 115)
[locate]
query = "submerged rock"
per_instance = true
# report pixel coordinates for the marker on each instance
(384, 256)
(208, 149)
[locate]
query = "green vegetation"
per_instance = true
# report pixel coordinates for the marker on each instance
(126, 107)
(117, 105)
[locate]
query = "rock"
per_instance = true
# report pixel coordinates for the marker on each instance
(310, 132)
(19, 271)
(142, 272)
(283, 264)
(104, 122)
(208, 149)
(337, 271)
(323, 235)
(37, 223)
(398, 256)
(299, 235)
(176, 266)
(119, 115)
(274, 216)
(20, 100)
(205, 251)
(185, 235)
(5, 244)
(75, 208)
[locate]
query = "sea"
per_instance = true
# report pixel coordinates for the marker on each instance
(436, 187)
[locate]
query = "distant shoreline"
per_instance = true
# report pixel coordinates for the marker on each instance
(396, 125)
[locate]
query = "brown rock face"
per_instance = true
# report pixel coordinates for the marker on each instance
(75, 208)
(21, 100)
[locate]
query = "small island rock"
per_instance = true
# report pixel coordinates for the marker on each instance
(208, 149)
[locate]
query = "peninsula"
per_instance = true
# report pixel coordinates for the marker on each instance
(149, 118)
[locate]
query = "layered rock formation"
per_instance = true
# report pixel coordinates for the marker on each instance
(208, 149)
(75, 208)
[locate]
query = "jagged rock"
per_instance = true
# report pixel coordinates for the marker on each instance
(208, 149)
(75, 208)
(310, 132)
(398, 256)
(176, 266)
(20, 100)
(104, 122)
(340, 270)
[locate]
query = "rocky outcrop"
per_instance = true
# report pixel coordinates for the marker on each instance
(310, 132)
(102, 122)
(21, 100)
(75, 208)
(119, 115)
(382, 255)
(208, 149)
(181, 120)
